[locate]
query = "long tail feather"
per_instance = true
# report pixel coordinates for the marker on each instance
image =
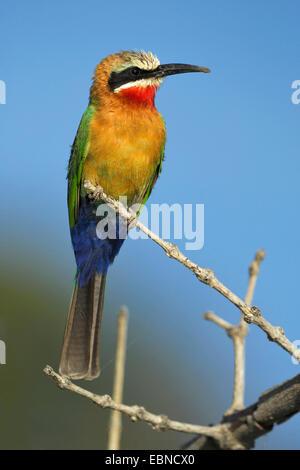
(80, 352)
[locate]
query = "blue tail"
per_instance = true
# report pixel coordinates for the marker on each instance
(91, 252)
(94, 254)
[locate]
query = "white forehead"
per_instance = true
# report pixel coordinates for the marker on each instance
(145, 60)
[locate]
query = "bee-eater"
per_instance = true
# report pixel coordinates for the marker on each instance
(119, 145)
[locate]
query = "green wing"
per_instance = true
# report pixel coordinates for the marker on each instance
(78, 155)
(153, 179)
(146, 193)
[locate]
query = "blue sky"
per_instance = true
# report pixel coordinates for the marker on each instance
(232, 144)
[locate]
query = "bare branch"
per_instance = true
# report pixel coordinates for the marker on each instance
(138, 413)
(207, 276)
(237, 431)
(239, 372)
(238, 335)
(210, 316)
(115, 426)
(253, 273)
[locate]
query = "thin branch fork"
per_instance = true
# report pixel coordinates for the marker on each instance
(204, 275)
(238, 335)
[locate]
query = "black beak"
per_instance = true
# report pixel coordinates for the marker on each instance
(173, 69)
(131, 74)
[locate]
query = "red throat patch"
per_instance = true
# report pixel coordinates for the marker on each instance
(140, 95)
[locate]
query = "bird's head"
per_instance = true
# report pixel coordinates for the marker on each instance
(134, 76)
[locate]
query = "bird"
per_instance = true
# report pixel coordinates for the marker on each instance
(119, 145)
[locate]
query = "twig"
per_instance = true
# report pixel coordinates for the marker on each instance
(138, 413)
(253, 274)
(238, 335)
(115, 426)
(218, 321)
(207, 276)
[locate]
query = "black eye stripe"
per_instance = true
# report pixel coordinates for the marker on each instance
(135, 71)
(130, 74)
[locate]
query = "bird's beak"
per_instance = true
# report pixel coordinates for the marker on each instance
(173, 69)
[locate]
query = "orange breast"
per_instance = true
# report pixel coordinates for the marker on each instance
(125, 149)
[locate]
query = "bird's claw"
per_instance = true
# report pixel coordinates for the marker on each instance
(132, 221)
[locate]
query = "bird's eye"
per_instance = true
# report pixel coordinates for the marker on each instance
(135, 71)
